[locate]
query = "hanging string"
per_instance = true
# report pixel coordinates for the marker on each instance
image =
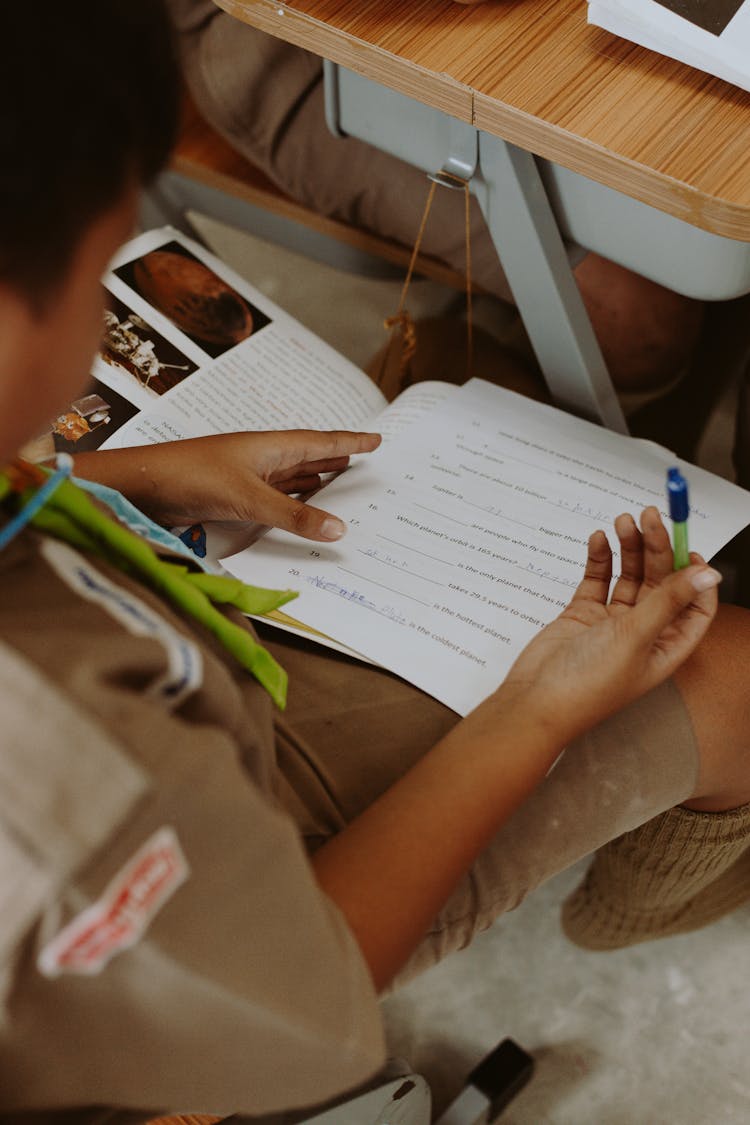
(469, 310)
(401, 324)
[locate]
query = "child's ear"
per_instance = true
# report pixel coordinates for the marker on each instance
(22, 328)
(16, 314)
(20, 351)
(18, 309)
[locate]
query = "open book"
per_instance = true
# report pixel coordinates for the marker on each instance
(467, 527)
(712, 35)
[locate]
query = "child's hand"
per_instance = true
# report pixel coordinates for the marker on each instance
(243, 476)
(600, 654)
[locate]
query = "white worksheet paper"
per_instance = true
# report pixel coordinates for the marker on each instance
(467, 533)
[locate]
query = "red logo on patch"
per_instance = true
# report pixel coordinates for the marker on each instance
(123, 912)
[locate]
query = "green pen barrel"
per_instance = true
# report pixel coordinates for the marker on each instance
(680, 552)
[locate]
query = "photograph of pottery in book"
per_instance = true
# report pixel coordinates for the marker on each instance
(197, 301)
(130, 343)
(710, 15)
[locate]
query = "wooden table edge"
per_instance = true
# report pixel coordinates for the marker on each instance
(665, 193)
(440, 90)
(629, 177)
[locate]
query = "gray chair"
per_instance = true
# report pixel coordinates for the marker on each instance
(398, 1097)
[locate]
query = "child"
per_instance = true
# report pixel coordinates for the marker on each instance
(202, 897)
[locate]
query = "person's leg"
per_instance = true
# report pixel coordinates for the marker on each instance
(266, 98)
(714, 685)
(677, 873)
(741, 462)
(647, 333)
(690, 865)
(350, 731)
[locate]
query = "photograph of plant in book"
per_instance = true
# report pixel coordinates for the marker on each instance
(85, 424)
(196, 300)
(132, 345)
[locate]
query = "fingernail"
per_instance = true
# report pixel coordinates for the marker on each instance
(705, 579)
(331, 528)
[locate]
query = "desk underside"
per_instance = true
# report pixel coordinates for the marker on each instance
(534, 73)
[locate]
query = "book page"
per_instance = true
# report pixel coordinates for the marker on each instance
(170, 368)
(194, 349)
(468, 533)
(414, 405)
(714, 37)
(189, 348)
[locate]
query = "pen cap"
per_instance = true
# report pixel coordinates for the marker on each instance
(677, 494)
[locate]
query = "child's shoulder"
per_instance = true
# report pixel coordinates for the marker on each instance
(120, 654)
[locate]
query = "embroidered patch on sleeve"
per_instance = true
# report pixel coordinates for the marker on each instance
(119, 918)
(184, 666)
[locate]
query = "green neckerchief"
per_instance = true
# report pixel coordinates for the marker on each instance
(69, 514)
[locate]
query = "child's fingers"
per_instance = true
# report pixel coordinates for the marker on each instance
(657, 549)
(280, 477)
(304, 486)
(270, 505)
(274, 452)
(594, 585)
(686, 599)
(628, 585)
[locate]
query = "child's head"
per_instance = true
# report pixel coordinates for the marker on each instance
(89, 94)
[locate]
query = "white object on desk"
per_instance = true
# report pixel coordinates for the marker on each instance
(712, 37)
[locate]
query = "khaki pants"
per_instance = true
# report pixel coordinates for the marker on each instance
(350, 730)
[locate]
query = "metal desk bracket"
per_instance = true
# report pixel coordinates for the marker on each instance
(331, 97)
(523, 228)
(464, 157)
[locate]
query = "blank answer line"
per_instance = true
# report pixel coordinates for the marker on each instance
(383, 586)
(406, 547)
(442, 515)
(554, 470)
(490, 453)
(529, 464)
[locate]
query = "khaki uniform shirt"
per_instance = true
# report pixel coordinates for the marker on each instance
(163, 943)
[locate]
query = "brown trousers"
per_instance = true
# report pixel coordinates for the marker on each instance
(350, 730)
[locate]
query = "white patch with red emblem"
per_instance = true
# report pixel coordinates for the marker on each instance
(119, 918)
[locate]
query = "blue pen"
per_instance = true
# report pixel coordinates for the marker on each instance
(677, 493)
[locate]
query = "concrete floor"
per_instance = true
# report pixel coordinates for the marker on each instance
(656, 1035)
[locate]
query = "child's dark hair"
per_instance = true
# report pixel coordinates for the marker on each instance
(89, 102)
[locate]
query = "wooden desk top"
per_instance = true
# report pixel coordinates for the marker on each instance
(534, 73)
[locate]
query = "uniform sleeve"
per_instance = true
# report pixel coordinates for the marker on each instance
(245, 992)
